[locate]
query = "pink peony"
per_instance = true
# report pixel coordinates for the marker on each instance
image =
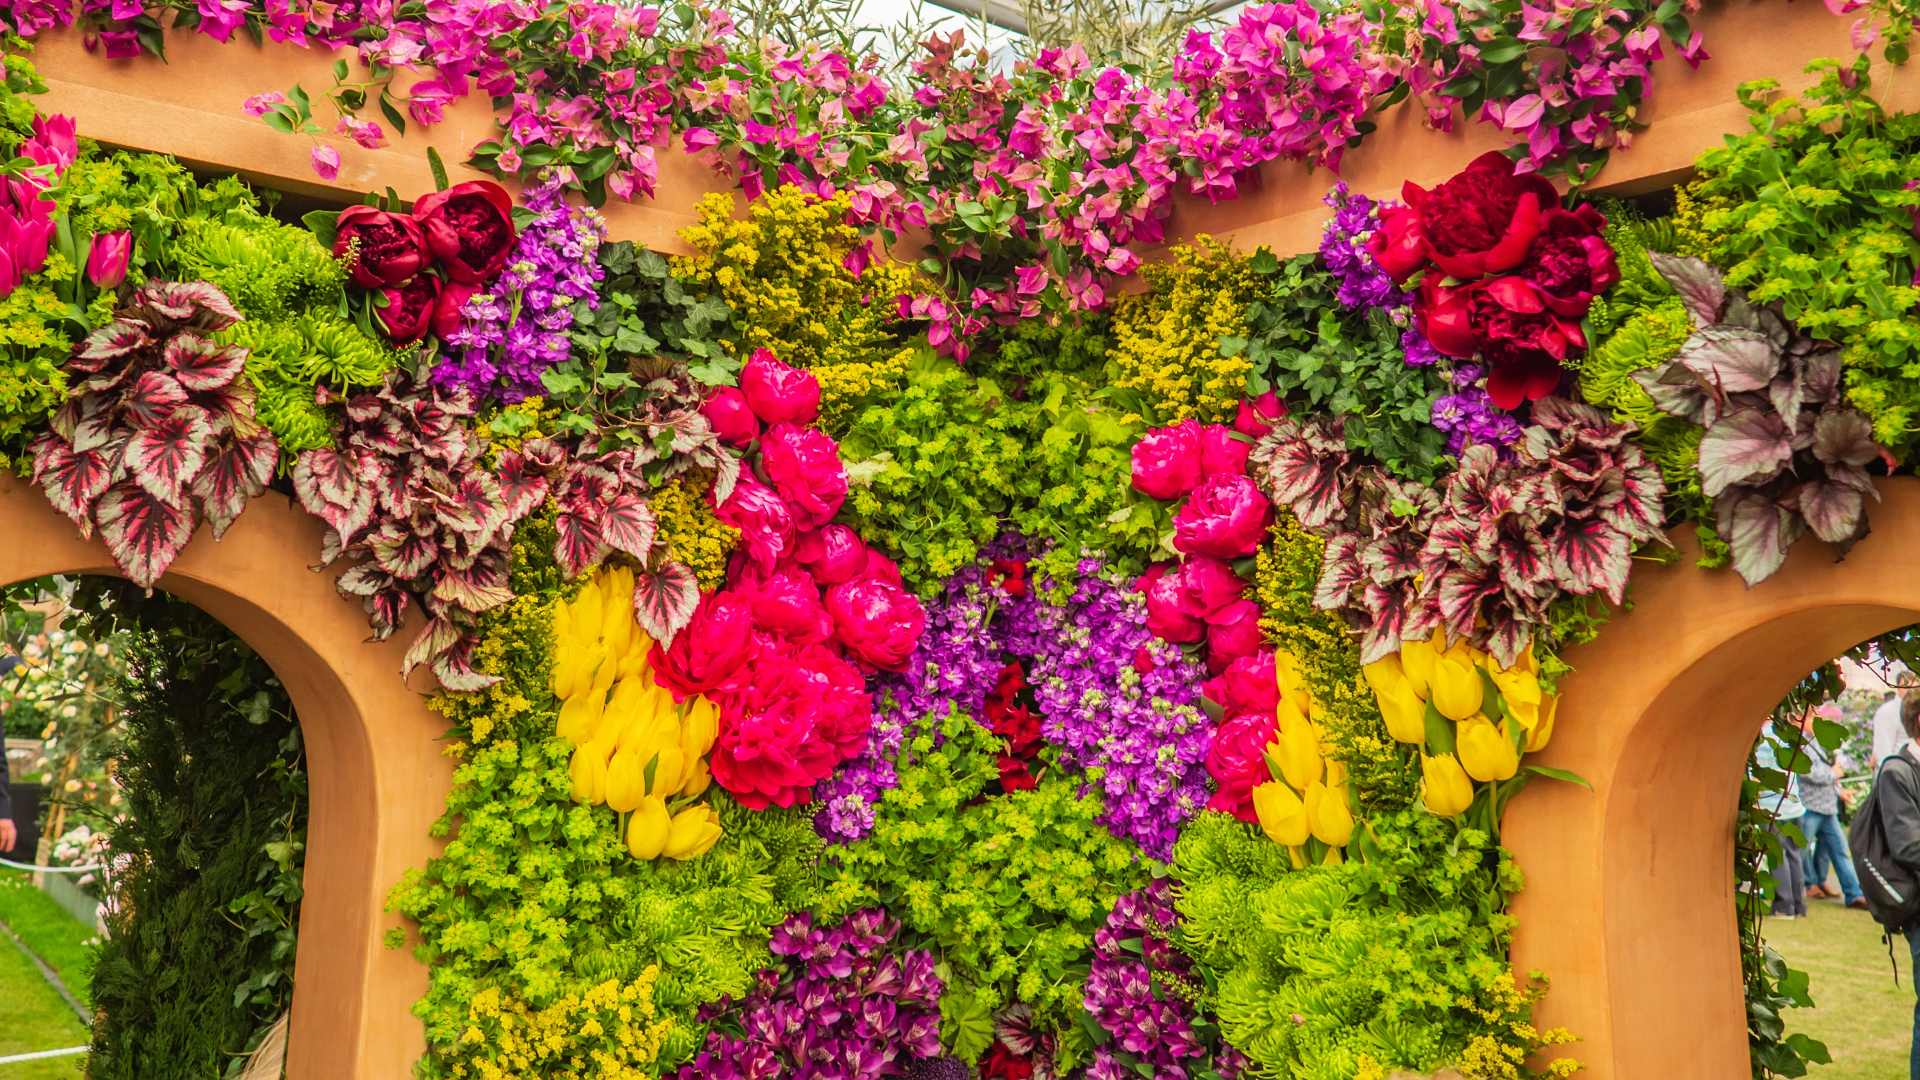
(786, 605)
(1232, 632)
(1207, 585)
(778, 393)
(710, 650)
(1255, 418)
(730, 416)
(1220, 452)
(1248, 687)
(1168, 615)
(764, 521)
(785, 729)
(1226, 518)
(1237, 762)
(833, 554)
(1167, 462)
(879, 622)
(804, 466)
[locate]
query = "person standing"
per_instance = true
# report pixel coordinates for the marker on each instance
(1888, 735)
(1820, 794)
(1896, 793)
(1789, 893)
(9, 832)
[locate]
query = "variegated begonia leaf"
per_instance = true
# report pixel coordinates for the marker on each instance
(73, 481)
(664, 600)
(1729, 359)
(201, 363)
(1746, 447)
(1757, 530)
(1591, 556)
(166, 455)
(1835, 512)
(1300, 465)
(578, 543)
(1700, 286)
(148, 398)
(197, 305)
(237, 471)
(144, 532)
(1844, 437)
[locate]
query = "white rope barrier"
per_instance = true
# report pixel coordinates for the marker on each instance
(42, 1055)
(87, 869)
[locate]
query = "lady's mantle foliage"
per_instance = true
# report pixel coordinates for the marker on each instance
(158, 430)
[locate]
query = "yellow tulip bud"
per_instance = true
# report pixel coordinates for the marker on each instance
(1281, 813)
(649, 827)
(1417, 658)
(1542, 732)
(580, 716)
(698, 777)
(617, 625)
(1444, 786)
(693, 832)
(1332, 857)
(1455, 685)
(1298, 857)
(701, 726)
(1336, 773)
(625, 785)
(588, 610)
(1485, 751)
(669, 771)
(1293, 684)
(1404, 710)
(633, 666)
(588, 771)
(1327, 814)
(1298, 751)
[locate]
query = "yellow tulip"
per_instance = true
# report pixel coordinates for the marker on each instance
(1332, 857)
(1298, 750)
(649, 827)
(698, 777)
(632, 666)
(1455, 686)
(588, 608)
(1336, 773)
(701, 726)
(1327, 814)
(1485, 751)
(1543, 731)
(580, 716)
(625, 781)
(1444, 786)
(669, 771)
(1417, 658)
(1404, 710)
(1520, 692)
(693, 832)
(588, 770)
(1293, 684)
(617, 624)
(1281, 813)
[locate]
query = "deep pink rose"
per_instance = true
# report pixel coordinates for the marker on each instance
(786, 605)
(764, 521)
(1237, 762)
(1482, 221)
(1166, 461)
(778, 392)
(1167, 614)
(409, 309)
(879, 622)
(710, 650)
(386, 248)
(803, 464)
(730, 417)
(1208, 585)
(446, 311)
(1248, 687)
(833, 554)
(1571, 262)
(1226, 517)
(469, 228)
(785, 729)
(1255, 418)
(1220, 452)
(1232, 632)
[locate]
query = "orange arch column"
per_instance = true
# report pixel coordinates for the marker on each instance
(376, 777)
(1629, 905)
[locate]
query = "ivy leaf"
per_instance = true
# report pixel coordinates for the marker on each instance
(664, 600)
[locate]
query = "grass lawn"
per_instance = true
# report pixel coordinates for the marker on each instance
(1865, 1020)
(32, 1015)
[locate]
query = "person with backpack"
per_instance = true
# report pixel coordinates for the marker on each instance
(1886, 850)
(1789, 894)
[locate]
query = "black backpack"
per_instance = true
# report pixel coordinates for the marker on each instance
(1892, 890)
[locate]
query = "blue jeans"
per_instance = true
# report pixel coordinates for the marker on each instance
(1913, 1057)
(1826, 842)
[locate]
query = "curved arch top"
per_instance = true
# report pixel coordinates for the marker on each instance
(1629, 904)
(376, 779)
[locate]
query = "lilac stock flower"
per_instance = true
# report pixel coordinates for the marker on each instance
(517, 329)
(1133, 992)
(840, 1004)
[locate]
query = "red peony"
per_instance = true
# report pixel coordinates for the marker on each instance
(833, 554)
(786, 729)
(409, 309)
(1009, 717)
(1010, 575)
(1571, 262)
(803, 464)
(710, 650)
(1237, 761)
(1003, 1064)
(446, 311)
(778, 392)
(1482, 221)
(730, 417)
(763, 518)
(1507, 322)
(1167, 462)
(786, 605)
(469, 228)
(1232, 632)
(1226, 517)
(1249, 687)
(877, 621)
(1220, 452)
(386, 248)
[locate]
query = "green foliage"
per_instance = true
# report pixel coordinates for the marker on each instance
(1305, 346)
(1008, 891)
(268, 269)
(1381, 771)
(1399, 961)
(1815, 214)
(288, 358)
(535, 897)
(198, 959)
(34, 341)
(1056, 345)
(934, 469)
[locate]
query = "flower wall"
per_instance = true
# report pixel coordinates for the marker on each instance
(975, 667)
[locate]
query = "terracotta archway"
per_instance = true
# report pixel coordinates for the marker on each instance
(376, 778)
(1629, 900)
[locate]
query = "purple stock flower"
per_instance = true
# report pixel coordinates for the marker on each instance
(1140, 991)
(505, 345)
